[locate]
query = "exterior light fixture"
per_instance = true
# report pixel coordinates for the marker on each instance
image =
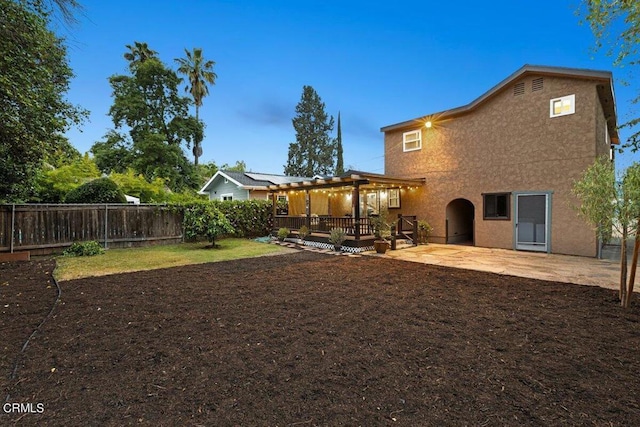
(428, 124)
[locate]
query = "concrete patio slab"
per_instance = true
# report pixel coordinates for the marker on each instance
(553, 267)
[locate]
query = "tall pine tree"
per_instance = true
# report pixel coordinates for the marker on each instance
(339, 159)
(314, 150)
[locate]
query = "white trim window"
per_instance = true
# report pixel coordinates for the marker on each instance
(562, 106)
(226, 196)
(394, 198)
(412, 141)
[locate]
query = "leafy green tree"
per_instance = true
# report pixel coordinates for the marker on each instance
(609, 204)
(199, 72)
(240, 166)
(339, 159)
(148, 104)
(62, 153)
(136, 185)
(55, 183)
(114, 154)
(313, 152)
(34, 78)
(154, 158)
(66, 9)
(616, 23)
(205, 219)
(139, 53)
(205, 171)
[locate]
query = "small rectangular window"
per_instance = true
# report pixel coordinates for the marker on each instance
(228, 196)
(496, 206)
(394, 198)
(562, 106)
(412, 141)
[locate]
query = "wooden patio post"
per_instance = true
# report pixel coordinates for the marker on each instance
(307, 206)
(274, 207)
(356, 208)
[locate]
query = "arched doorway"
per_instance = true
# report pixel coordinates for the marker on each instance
(460, 221)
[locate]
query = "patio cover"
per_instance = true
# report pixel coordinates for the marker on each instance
(350, 178)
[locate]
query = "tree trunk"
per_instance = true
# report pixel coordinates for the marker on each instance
(197, 146)
(634, 264)
(623, 266)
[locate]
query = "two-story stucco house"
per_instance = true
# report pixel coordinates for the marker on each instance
(498, 172)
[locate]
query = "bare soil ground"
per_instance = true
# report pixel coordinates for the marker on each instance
(308, 339)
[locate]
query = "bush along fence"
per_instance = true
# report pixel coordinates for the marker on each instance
(239, 218)
(249, 218)
(45, 228)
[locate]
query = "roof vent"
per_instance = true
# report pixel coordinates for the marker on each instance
(536, 84)
(518, 89)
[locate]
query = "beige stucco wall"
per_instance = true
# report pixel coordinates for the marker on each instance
(508, 144)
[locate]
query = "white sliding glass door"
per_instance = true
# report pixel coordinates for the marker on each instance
(532, 222)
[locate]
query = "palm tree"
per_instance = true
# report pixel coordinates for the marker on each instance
(199, 72)
(138, 53)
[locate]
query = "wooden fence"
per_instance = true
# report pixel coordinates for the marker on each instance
(45, 228)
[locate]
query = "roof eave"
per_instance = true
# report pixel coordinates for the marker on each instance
(526, 69)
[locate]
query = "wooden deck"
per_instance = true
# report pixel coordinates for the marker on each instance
(324, 224)
(320, 227)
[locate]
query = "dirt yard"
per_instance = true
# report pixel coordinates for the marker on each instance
(308, 339)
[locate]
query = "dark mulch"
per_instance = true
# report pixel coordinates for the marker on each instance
(308, 339)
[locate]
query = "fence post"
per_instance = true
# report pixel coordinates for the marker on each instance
(106, 229)
(13, 226)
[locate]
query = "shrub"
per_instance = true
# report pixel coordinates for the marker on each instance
(424, 231)
(303, 232)
(283, 233)
(84, 249)
(101, 190)
(249, 218)
(205, 219)
(337, 236)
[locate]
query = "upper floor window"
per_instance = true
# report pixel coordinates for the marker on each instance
(562, 106)
(412, 140)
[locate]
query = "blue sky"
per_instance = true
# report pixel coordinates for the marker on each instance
(378, 63)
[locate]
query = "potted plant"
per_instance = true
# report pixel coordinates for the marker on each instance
(381, 229)
(337, 237)
(424, 231)
(283, 233)
(303, 232)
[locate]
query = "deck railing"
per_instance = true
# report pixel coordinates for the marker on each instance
(407, 228)
(324, 224)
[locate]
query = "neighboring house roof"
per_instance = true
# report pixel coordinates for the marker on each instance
(605, 93)
(252, 180)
